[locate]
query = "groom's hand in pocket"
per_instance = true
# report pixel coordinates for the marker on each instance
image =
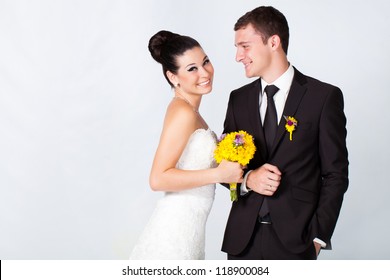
(264, 180)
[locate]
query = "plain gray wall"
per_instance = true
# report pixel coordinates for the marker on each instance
(82, 104)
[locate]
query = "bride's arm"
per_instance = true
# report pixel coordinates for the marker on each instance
(180, 122)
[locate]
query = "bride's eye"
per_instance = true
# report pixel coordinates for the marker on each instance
(192, 69)
(207, 61)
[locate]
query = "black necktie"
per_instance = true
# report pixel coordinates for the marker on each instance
(270, 126)
(270, 120)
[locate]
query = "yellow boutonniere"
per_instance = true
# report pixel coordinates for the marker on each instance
(291, 124)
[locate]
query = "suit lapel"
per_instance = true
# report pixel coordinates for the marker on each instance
(297, 91)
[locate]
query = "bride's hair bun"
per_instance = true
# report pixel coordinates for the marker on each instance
(158, 42)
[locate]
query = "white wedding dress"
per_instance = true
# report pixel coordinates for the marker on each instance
(176, 230)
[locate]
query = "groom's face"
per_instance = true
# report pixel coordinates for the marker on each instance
(252, 52)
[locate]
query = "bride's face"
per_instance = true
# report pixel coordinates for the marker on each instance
(195, 74)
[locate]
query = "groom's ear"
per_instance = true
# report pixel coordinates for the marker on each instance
(274, 42)
(172, 77)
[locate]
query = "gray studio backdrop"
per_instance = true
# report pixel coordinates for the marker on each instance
(82, 104)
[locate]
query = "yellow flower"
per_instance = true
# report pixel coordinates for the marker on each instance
(237, 147)
(291, 124)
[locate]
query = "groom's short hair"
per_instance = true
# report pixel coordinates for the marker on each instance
(267, 21)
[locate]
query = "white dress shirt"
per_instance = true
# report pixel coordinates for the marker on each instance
(284, 84)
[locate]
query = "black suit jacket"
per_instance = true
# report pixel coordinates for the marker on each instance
(314, 165)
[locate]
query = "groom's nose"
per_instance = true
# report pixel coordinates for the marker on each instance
(239, 54)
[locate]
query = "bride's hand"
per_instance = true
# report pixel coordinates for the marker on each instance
(230, 172)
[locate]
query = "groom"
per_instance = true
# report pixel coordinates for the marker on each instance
(291, 196)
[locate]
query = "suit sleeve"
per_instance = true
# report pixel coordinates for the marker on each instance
(334, 163)
(229, 124)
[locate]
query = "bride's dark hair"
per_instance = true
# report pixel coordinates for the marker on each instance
(166, 46)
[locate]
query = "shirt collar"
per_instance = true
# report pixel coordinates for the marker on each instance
(283, 82)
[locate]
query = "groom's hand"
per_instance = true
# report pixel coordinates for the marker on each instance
(318, 247)
(264, 180)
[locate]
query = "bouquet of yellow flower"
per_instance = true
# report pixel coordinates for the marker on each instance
(237, 147)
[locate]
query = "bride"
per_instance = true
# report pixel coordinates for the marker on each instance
(183, 166)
